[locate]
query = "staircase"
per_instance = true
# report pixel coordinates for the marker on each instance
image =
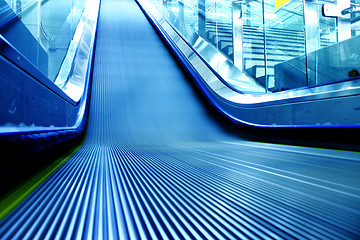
(281, 45)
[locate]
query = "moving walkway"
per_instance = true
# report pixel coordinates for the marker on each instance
(155, 162)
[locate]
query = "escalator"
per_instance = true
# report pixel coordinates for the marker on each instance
(155, 164)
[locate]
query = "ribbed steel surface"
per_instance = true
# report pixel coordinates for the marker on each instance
(155, 164)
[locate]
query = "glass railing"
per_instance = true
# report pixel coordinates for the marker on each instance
(46, 51)
(271, 45)
(41, 30)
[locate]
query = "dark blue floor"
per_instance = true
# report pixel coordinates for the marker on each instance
(156, 165)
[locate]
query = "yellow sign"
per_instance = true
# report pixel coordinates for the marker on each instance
(279, 3)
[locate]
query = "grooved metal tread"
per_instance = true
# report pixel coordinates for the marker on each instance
(155, 165)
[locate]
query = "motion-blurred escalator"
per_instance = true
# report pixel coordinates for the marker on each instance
(156, 164)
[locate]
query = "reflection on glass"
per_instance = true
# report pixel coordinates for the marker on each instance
(260, 45)
(279, 45)
(253, 40)
(284, 46)
(336, 56)
(219, 28)
(224, 29)
(191, 14)
(42, 30)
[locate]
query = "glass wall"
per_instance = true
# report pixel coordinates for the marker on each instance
(41, 30)
(284, 45)
(253, 39)
(336, 54)
(276, 44)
